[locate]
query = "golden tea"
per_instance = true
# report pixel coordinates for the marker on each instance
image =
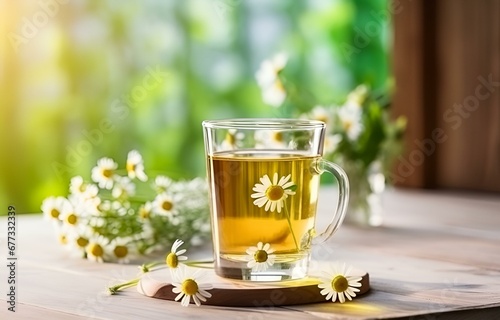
(240, 181)
(264, 180)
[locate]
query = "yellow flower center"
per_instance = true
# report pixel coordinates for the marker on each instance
(347, 125)
(96, 250)
(108, 173)
(130, 167)
(167, 205)
(71, 219)
(323, 118)
(54, 213)
(82, 242)
(231, 138)
(277, 136)
(339, 283)
(189, 287)
(275, 193)
(120, 251)
(260, 256)
(63, 239)
(172, 260)
(143, 213)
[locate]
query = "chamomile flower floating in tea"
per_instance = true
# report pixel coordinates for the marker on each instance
(104, 173)
(272, 194)
(260, 257)
(175, 256)
(188, 284)
(340, 282)
(135, 166)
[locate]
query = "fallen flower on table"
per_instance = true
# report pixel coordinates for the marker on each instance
(340, 283)
(187, 283)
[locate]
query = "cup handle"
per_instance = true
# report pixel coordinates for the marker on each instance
(320, 166)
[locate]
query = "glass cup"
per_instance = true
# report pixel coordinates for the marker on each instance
(264, 177)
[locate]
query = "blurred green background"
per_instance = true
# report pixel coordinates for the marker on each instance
(80, 80)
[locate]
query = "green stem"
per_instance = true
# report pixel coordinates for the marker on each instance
(116, 288)
(200, 264)
(291, 229)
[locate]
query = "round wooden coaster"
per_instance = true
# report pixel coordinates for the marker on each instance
(236, 293)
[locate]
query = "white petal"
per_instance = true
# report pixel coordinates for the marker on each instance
(204, 293)
(265, 181)
(277, 204)
(260, 245)
(341, 297)
(196, 300)
(325, 291)
(182, 258)
(176, 290)
(334, 296)
(257, 195)
(201, 297)
(260, 202)
(178, 253)
(266, 247)
(185, 300)
(350, 292)
(287, 185)
(275, 179)
(273, 206)
(179, 296)
(268, 204)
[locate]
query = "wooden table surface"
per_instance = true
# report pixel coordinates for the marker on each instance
(437, 256)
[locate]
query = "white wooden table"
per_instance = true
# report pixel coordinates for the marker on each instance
(436, 257)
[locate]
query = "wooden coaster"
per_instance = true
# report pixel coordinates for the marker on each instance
(238, 293)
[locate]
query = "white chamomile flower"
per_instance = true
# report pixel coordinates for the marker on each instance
(175, 256)
(80, 239)
(77, 186)
(269, 70)
(69, 216)
(321, 113)
(104, 173)
(187, 283)
(232, 140)
(358, 95)
(339, 283)
(145, 210)
(135, 166)
(162, 183)
(331, 143)
(269, 139)
(164, 205)
(350, 120)
(272, 194)
(274, 95)
(273, 92)
(260, 257)
(123, 188)
(96, 249)
(53, 207)
(121, 249)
